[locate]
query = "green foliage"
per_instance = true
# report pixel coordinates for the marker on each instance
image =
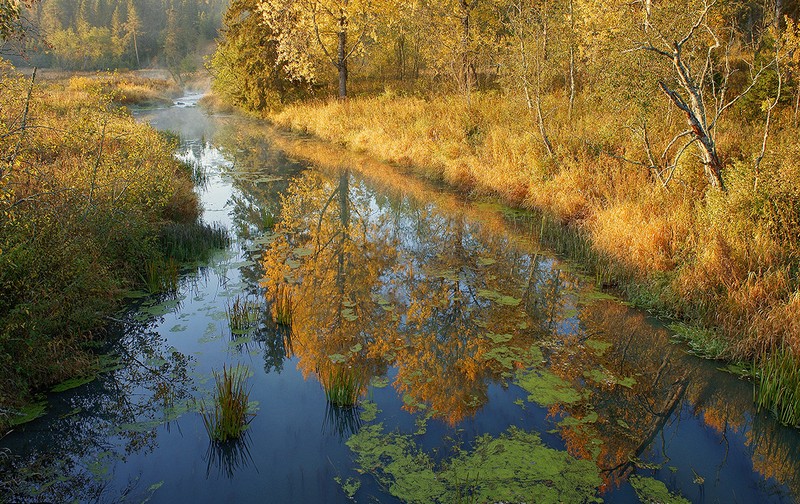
(82, 204)
(228, 418)
(245, 65)
(777, 386)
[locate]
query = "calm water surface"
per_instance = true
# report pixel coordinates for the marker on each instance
(491, 371)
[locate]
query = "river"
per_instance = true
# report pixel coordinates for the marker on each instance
(488, 369)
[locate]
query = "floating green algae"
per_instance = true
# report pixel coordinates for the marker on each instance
(369, 411)
(499, 298)
(652, 491)
(349, 486)
(514, 467)
(28, 413)
(73, 383)
(604, 376)
(546, 389)
(598, 346)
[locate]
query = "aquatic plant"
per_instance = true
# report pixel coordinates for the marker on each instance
(652, 490)
(343, 385)
(282, 305)
(192, 241)
(161, 275)
(513, 467)
(230, 414)
(777, 386)
(243, 314)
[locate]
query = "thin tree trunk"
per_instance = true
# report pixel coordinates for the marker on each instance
(136, 50)
(695, 118)
(571, 61)
(342, 58)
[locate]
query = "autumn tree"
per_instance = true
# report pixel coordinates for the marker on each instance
(245, 65)
(309, 32)
(695, 43)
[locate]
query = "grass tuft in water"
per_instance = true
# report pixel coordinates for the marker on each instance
(161, 275)
(243, 314)
(282, 305)
(230, 415)
(343, 385)
(777, 386)
(192, 241)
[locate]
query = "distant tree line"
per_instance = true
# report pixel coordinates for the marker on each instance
(101, 34)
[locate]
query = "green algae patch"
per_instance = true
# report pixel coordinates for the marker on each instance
(379, 382)
(499, 338)
(73, 383)
(603, 376)
(28, 413)
(499, 298)
(369, 411)
(652, 491)
(546, 389)
(598, 346)
(507, 356)
(349, 486)
(514, 467)
(397, 463)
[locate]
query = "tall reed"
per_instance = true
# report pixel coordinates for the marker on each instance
(243, 314)
(282, 305)
(343, 385)
(777, 386)
(230, 415)
(161, 275)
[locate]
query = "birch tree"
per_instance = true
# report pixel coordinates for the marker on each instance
(697, 51)
(310, 32)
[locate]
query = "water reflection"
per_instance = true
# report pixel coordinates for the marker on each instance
(146, 383)
(452, 306)
(488, 344)
(230, 457)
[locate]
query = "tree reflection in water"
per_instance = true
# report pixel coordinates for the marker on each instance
(454, 306)
(103, 423)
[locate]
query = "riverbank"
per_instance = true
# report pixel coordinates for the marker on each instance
(91, 203)
(724, 262)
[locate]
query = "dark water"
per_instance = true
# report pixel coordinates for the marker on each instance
(491, 370)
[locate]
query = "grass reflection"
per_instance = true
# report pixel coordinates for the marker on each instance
(229, 457)
(340, 421)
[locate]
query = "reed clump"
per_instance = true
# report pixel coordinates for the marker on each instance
(230, 414)
(243, 314)
(161, 275)
(344, 385)
(777, 386)
(282, 305)
(192, 241)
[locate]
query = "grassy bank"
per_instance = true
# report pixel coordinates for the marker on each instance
(727, 261)
(86, 196)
